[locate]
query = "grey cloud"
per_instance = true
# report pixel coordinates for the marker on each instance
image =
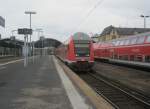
(62, 17)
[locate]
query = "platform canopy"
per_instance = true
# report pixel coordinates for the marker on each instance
(47, 42)
(7, 42)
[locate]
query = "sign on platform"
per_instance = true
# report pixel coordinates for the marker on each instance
(24, 31)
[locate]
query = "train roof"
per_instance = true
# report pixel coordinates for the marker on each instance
(81, 36)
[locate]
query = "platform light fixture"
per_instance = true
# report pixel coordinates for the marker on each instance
(144, 16)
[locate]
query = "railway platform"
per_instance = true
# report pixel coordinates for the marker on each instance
(44, 85)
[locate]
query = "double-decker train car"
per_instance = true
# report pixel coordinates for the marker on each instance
(77, 52)
(102, 50)
(132, 50)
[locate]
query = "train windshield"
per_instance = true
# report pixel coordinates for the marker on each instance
(82, 49)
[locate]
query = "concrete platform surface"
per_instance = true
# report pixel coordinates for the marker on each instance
(41, 85)
(8, 59)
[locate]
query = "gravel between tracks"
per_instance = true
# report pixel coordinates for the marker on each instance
(136, 79)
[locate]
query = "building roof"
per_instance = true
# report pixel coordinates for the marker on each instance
(124, 31)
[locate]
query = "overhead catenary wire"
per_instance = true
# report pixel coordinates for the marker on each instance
(76, 28)
(89, 13)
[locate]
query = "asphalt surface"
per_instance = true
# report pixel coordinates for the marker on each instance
(37, 86)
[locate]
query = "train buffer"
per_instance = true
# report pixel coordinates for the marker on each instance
(44, 85)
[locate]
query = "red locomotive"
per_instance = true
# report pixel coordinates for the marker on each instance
(133, 50)
(77, 52)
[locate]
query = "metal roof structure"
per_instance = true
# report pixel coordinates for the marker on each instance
(47, 42)
(7, 42)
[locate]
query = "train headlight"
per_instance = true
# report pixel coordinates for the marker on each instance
(87, 55)
(77, 55)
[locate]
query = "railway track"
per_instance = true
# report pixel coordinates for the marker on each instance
(118, 97)
(125, 65)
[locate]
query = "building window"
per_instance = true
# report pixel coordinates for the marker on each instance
(140, 40)
(133, 40)
(113, 37)
(126, 42)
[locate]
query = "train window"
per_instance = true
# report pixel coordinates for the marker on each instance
(133, 41)
(127, 42)
(147, 58)
(115, 56)
(121, 42)
(140, 40)
(139, 58)
(148, 39)
(117, 43)
(132, 58)
(114, 42)
(125, 57)
(120, 57)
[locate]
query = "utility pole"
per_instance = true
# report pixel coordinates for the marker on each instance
(144, 17)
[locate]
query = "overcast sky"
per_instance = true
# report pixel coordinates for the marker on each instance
(61, 18)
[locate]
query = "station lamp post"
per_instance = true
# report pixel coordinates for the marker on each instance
(144, 17)
(30, 13)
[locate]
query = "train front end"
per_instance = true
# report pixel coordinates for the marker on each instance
(83, 51)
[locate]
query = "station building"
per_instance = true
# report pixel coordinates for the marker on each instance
(111, 32)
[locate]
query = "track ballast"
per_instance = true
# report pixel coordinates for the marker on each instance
(118, 97)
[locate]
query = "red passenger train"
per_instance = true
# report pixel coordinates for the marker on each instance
(133, 50)
(77, 52)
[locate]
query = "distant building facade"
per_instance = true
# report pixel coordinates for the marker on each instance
(112, 32)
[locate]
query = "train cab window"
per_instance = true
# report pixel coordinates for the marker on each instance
(133, 41)
(140, 40)
(148, 39)
(82, 49)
